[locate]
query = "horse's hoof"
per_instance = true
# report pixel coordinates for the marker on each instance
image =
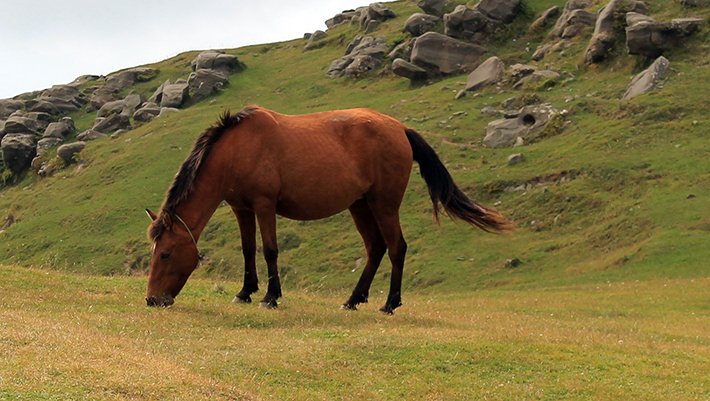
(387, 310)
(269, 304)
(239, 300)
(348, 307)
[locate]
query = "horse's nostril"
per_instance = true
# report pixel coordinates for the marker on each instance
(151, 301)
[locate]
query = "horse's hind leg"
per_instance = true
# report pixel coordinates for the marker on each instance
(375, 247)
(266, 216)
(388, 221)
(247, 229)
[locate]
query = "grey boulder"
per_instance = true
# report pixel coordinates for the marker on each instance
(18, 150)
(648, 79)
(175, 95)
(60, 129)
(216, 60)
(434, 7)
(490, 72)
(111, 123)
(69, 151)
(90, 135)
(406, 69)
(419, 24)
(440, 54)
(606, 28)
(646, 37)
(206, 82)
(528, 122)
(364, 53)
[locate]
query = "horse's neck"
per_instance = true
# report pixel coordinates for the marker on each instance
(197, 209)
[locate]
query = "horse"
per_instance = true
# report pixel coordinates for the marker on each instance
(303, 167)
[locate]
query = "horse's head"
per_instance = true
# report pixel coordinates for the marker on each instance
(173, 258)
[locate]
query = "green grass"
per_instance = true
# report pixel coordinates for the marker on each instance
(67, 336)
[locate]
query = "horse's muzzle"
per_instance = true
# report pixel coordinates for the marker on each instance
(164, 301)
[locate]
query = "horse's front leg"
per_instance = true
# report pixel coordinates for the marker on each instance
(266, 215)
(247, 229)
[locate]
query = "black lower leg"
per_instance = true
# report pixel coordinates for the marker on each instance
(273, 291)
(394, 299)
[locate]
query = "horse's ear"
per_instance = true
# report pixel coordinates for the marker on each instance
(151, 214)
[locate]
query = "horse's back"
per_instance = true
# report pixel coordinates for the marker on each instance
(319, 164)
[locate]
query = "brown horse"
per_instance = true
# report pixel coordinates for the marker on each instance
(302, 167)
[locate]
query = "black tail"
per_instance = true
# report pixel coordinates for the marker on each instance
(443, 189)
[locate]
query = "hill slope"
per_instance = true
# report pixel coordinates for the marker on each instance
(634, 205)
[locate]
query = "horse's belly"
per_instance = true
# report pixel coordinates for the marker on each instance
(312, 203)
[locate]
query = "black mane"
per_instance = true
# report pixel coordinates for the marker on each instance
(184, 181)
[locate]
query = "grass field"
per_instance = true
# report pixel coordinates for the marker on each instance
(65, 336)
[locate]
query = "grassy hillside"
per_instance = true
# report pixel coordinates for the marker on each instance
(635, 206)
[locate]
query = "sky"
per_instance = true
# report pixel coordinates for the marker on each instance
(48, 42)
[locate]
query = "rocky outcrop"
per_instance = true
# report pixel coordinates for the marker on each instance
(519, 128)
(204, 83)
(646, 37)
(18, 150)
(147, 112)
(65, 98)
(111, 123)
(364, 54)
(606, 31)
(572, 22)
(371, 16)
(648, 79)
(476, 24)
(316, 40)
(545, 19)
(175, 95)
(404, 68)
(217, 61)
(419, 24)
(542, 78)
(490, 72)
(117, 82)
(434, 7)
(9, 106)
(90, 135)
(340, 18)
(69, 151)
(440, 54)
(60, 129)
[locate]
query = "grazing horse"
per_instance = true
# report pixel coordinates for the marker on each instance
(302, 167)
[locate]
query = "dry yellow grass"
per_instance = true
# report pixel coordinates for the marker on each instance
(81, 337)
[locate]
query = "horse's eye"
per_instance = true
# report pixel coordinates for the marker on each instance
(164, 255)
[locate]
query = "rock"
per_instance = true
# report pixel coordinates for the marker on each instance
(123, 79)
(605, 31)
(60, 129)
(646, 37)
(372, 26)
(146, 113)
(164, 111)
(501, 10)
(204, 83)
(66, 98)
(82, 80)
(111, 123)
(158, 94)
(18, 150)
(217, 60)
(648, 79)
(693, 3)
(488, 73)
(515, 159)
(419, 24)
(68, 152)
(131, 103)
(573, 21)
(109, 108)
(374, 12)
(9, 106)
(547, 76)
(512, 263)
(402, 50)
(24, 124)
(340, 18)
(529, 122)
(440, 54)
(367, 52)
(545, 18)
(406, 69)
(42, 106)
(90, 135)
(491, 111)
(316, 41)
(434, 7)
(44, 144)
(175, 95)
(518, 71)
(469, 24)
